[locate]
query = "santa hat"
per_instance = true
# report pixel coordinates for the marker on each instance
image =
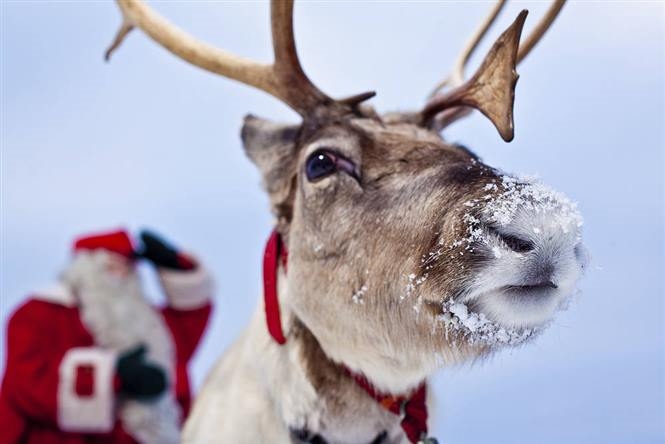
(115, 241)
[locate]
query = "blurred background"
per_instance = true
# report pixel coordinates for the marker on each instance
(149, 141)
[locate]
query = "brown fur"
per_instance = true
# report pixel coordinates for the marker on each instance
(374, 232)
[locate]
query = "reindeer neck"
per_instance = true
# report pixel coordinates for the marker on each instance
(322, 372)
(342, 395)
(343, 412)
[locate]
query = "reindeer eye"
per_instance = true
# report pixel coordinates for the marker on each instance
(319, 165)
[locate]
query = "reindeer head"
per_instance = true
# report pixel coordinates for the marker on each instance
(404, 250)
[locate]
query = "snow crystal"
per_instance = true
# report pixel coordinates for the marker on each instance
(358, 296)
(476, 328)
(459, 310)
(412, 283)
(525, 193)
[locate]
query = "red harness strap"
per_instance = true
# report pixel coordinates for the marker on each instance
(412, 409)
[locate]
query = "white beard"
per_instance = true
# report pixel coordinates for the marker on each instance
(119, 318)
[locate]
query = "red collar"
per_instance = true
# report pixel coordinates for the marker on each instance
(412, 409)
(275, 250)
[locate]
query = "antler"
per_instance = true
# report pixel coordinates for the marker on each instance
(283, 79)
(540, 29)
(491, 90)
(456, 77)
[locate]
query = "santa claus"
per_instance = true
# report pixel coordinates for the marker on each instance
(91, 361)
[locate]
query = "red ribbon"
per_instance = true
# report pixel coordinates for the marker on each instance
(412, 409)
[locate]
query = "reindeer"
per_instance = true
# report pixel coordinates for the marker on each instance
(395, 253)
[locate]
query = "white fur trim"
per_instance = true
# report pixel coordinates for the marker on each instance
(57, 293)
(186, 290)
(94, 413)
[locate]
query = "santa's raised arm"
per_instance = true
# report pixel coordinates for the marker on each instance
(90, 360)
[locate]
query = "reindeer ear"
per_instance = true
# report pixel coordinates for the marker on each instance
(272, 148)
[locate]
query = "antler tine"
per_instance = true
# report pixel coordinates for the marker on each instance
(456, 77)
(138, 14)
(540, 29)
(491, 89)
(284, 79)
(287, 65)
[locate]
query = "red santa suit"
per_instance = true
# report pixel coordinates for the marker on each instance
(60, 385)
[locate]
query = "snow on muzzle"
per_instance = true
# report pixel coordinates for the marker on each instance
(530, 239)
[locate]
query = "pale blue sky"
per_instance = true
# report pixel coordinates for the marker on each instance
(148, 140)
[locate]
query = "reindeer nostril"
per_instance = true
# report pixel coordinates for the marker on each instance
(517, 244)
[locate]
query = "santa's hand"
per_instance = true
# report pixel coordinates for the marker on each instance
(162, 254)
(138, 378)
